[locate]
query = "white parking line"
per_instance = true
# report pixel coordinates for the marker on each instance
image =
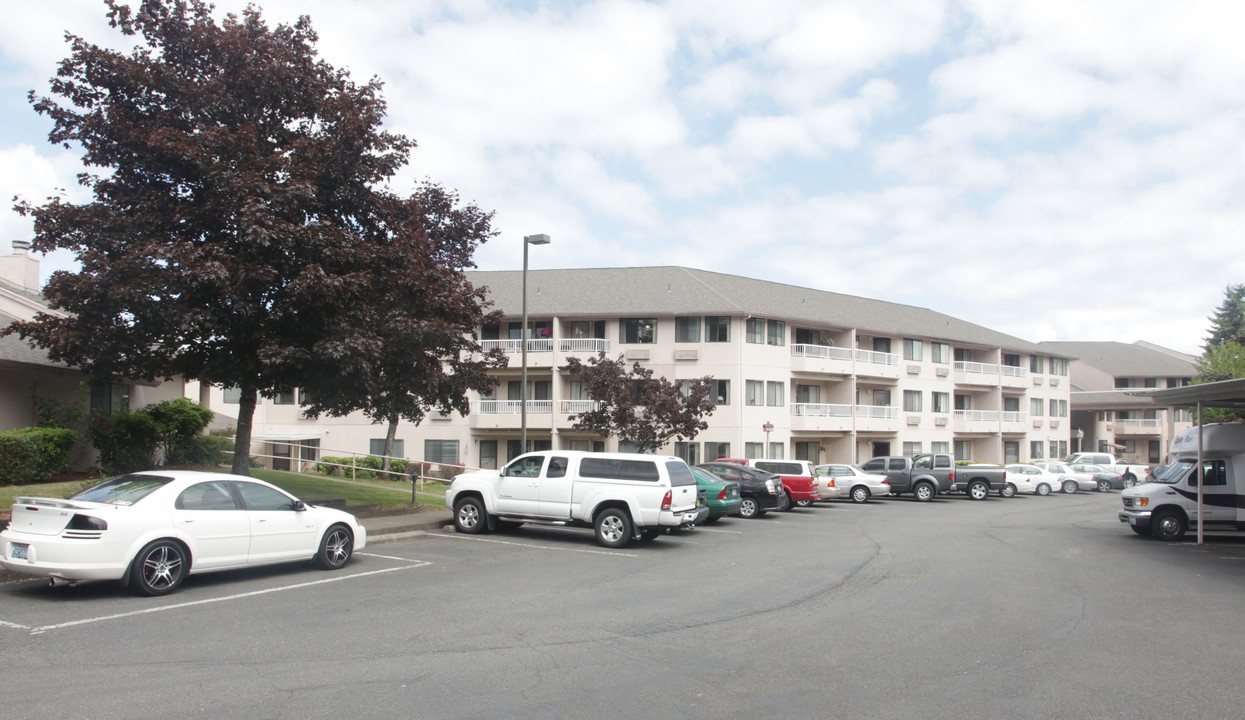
(718, 530)
(146, 611)
(530, 545)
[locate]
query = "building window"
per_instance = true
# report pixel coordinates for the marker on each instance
(1035, 449)
(912, 401)
(754, 391)
(774, 394)
(488, 454)
(1054, 408)
(233, 395)
(940, 447)
(754, 450)
(283, 397)
(309, 449)
(776, 332)
(1011, 451)
(1122, 382)
(637, 330)
(109, 398)
(756, 331)
(1035, 366)
(963, 449)
(376, 446)
(1054, 450)
(941, 402)
(689, 451)
(1058, 366)
(716, 450)
(911, 449)
(913, 349)
(810, 451)
(1035, 407)
(686, 329)
(777, 451)
(940, 353)
(808, 394)
(717, 329)
(441, 451)
(721, 390)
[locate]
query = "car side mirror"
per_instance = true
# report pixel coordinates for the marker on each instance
(299, 506)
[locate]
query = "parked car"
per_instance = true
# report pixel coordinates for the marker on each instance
(760, 492)
(1067, 483)
(621, 496)
(852, 482)
(721, 496)
(1027, 478)
(1131, 473)
(1096, 477)
(150, 530)
(925, 476)
(798, 480)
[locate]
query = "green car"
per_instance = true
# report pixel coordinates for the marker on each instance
(721, 496)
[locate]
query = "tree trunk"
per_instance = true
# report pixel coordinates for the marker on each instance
(242, 437)
(390, 434)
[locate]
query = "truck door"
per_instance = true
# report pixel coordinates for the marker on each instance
(555, 489)
(518, 489)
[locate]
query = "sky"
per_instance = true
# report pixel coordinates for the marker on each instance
(1051, 169)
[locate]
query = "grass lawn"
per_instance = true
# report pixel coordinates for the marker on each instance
(361, 492)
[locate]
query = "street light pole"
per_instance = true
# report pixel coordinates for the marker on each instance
(527, 240)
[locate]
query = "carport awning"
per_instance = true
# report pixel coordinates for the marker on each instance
(1225, 394)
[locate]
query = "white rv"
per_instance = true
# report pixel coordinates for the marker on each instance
(1166, 507)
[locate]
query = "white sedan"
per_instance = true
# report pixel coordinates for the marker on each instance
(151, 529)
(1025, 478)
(1067, 481)
(853, 482)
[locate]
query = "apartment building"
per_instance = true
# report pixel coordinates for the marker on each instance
(798, 373)
(1109, 409)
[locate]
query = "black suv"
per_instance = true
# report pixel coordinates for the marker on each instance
(759, 490)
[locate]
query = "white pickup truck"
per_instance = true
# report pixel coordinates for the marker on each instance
(1130, 472)
(623, 497)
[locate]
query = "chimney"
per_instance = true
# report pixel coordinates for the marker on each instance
(20, 269)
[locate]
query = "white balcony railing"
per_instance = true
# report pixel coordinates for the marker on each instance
(1013, 371)
(1150, 423)
(884, 412)
(824, 352)
(877, 358)
(1010, 416)
(572, 407)
(513, 407)
(821, 410)
(514, 347)
(977, 415)
(583, 345)
(976, 367)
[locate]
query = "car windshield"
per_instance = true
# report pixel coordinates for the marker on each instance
(124, 490)
(1175, 472)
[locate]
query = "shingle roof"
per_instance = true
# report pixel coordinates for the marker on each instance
(15, 349)
(669, 290)
(1126, 360)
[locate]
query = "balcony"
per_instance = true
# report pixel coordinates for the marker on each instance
(582, 346)
(877, 364)
(975, 373)
(877, 418)
(821, 417)
(1138, 428)
(1015, 421)
(1012, 376)
(504, 414)
(977, 421)
(539, 351)
(821, 359)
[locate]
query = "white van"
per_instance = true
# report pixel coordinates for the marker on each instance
(1166, 507)
(622, 496)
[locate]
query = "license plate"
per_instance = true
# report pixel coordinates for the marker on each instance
(1132, 521)
(18, 551)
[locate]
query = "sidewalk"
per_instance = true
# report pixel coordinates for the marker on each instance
(387, 526)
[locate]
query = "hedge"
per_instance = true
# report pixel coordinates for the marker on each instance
(33, 455)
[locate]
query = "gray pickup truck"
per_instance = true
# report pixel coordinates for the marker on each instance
(929, 475)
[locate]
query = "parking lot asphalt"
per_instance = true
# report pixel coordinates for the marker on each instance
(388, 527)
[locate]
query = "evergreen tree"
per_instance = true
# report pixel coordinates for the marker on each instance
(1228, 322)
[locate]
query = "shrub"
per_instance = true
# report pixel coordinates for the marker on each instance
(179, 422)
(126, 441)
(32, 455)
(205, 450)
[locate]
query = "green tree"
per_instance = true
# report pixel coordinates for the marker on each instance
(1222, 361)
(1228, 322)
(636, 407)
(234, 223)
(422, 319)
